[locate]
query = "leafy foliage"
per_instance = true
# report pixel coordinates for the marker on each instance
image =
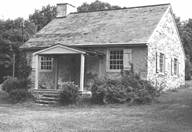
(5, 59)
(12, 34)
(187, 69)
(42, 17)
(16, 89)
(18, 30)
(185, 31)
(69, 93)
(129, 89)
(96, 6)
(23, 70)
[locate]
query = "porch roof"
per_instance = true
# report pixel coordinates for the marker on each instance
(61, 49)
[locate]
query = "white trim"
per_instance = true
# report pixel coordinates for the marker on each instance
(36, 71)
(164, 65)
(82, 72)
(61, 46)
(175, 73)
(158, 25)
(112, 44)
(56, 72)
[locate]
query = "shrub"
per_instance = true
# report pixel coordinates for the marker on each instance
(109, 91)
(129, 88)
(69, 93)
(16, 89)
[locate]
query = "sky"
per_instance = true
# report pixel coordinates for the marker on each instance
(11, 9)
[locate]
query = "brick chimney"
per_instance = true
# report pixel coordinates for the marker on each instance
(63, 9)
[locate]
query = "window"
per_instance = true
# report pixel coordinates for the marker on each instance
(162, 62)
(175, 66)
(46, 63)
(116, 59)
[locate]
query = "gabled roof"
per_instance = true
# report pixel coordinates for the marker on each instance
(59, 49)
(123, 26)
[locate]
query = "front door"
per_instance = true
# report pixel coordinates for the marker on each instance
(68, 69)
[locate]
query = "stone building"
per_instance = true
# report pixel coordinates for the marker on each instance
(81, 46)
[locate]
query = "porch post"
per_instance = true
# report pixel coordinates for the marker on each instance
(36, 71)
(82, 70)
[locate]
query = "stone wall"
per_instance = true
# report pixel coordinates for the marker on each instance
(165, 40)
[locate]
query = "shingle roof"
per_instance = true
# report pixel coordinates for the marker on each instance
(124, 26)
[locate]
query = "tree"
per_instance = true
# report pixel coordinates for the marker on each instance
(18, 30)
(5, 59)
(12, 34)
(185, 31)
(5, 53)
(96, 6)
(42, 17)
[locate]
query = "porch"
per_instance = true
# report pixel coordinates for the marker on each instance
(59, 64)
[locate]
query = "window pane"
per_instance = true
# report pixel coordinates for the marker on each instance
(116, 59)
(46, 63)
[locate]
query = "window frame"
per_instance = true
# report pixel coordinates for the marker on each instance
(40, 63)
(161, 67)
(175, 67)
(109, 59)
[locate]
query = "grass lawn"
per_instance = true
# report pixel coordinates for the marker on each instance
(173, 113)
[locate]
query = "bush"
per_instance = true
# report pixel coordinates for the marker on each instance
(69, 93)
(16, 89)
(109, 91)
(129, 88)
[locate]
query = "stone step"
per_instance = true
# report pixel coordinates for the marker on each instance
(50, 95)
(49, 98)
(45, 91)
(46, 96)
(42, 101)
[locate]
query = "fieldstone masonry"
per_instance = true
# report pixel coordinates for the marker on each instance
(166, 40)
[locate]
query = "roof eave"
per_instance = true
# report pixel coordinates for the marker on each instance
(109, 44)
(92, 45)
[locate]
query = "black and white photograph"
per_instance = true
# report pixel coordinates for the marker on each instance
(95, 66)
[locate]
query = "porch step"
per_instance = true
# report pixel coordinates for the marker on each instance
(45, 91)
(41, 101)
(46, 96)
(49, 96)
(55, 98)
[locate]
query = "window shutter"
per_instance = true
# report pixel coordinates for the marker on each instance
(178, 68)
(164, 63)
(127, 59)
(108, 60)
(157, 62)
